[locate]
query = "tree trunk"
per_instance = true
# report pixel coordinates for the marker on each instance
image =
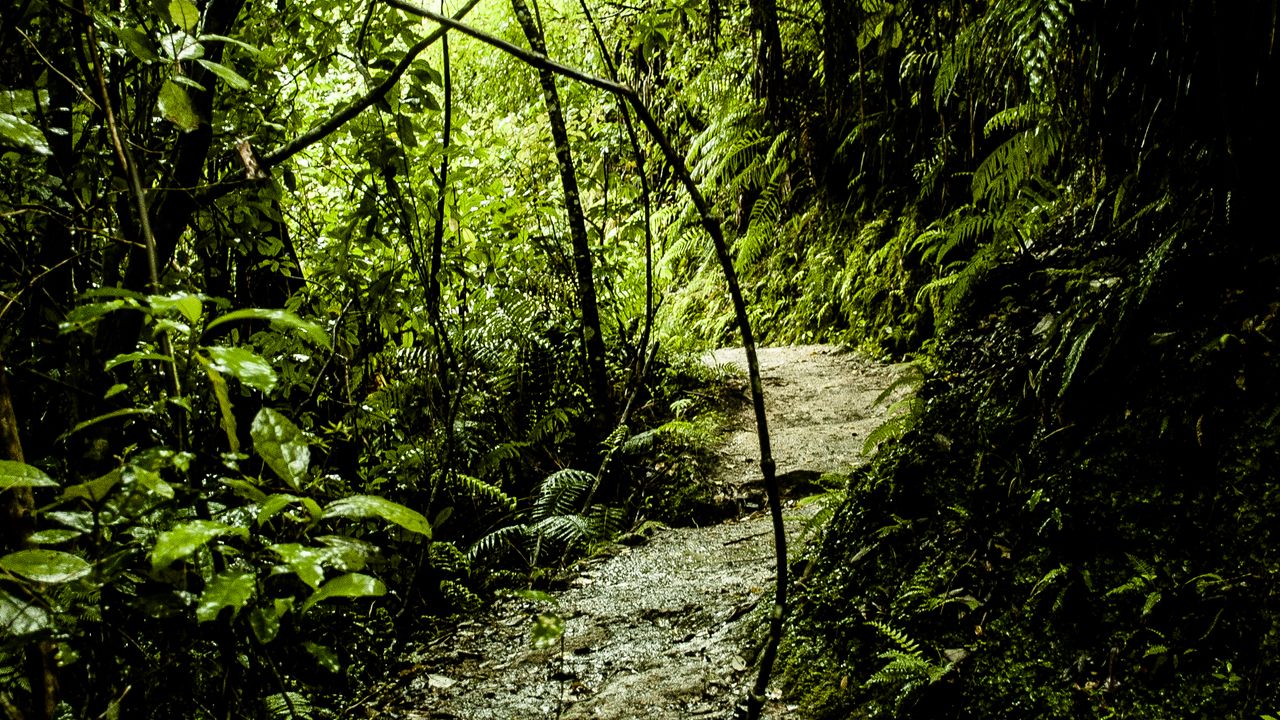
(768, 72)
(838, 61)
(173, 207)
(598, 382)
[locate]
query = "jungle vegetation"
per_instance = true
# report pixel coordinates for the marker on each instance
(319, 320)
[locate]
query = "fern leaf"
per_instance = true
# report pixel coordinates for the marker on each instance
(561, 493)
(896, 636)
(476, 488)
(490, 543)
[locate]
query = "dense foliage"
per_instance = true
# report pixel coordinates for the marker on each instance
(317, 319)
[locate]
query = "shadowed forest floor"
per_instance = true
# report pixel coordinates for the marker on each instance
(665, 630)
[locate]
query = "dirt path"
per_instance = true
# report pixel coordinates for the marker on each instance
(658, 631)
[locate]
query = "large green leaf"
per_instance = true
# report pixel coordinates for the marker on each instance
(349, 585)
(184, 14)
(190, 305)
(363, 506)
(46, 566)
(179, 542)
(16, 474)
(17, 132)
(149, 479)
(20, 617)
(176, 107)
(95, 490)
(307, 563)
(278, 319)
(346, 554)
(229, 589)
(134, 357)
(265, 619)
(53, 537)
(249, 367)
(138, 43)
(229, 76)
(273, 504)
(281, 445)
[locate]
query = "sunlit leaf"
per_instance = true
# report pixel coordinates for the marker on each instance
(273, 505)
(46, 566)
(250, 368)
(15, 474)
(134, 357)
(95, 490)
(229, 76)
(223, 38)
(229, 589)
(546, 630)
(138, 43)
(180, 542)
(349, 585)
(366, 506)
(176, 107)
(278, 319)
(190, 305)
(53, 537)
(184, 14)
(306, 563)
(281, 445)
(148, 479)
(20, 617)
(16, 132)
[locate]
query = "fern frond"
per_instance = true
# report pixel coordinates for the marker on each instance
(561, 493)
(897, 636)
(1014, 162)
(895, 427)
(290, 705)
(902, 669)
(692, 241)
(490, 543)
(641, 442)
(1017, 117)
(475, 488)
(565, 530)
(1048, 579)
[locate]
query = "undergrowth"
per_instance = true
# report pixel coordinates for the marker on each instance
(1064, 537)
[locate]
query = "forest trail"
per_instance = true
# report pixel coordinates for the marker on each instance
(661, 631)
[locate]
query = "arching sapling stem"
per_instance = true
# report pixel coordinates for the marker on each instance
(755, 699)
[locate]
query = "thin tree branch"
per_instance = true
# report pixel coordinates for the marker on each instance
(233, 182)
(129, 166)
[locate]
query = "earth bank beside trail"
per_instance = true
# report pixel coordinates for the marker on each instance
(662, 630)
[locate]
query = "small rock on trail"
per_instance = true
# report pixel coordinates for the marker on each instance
(658, 631)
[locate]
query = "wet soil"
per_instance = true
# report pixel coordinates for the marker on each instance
(667, 629)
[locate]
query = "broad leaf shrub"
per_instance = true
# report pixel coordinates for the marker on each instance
(235, 566)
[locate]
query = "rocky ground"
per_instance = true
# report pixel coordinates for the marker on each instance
(665, 630)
